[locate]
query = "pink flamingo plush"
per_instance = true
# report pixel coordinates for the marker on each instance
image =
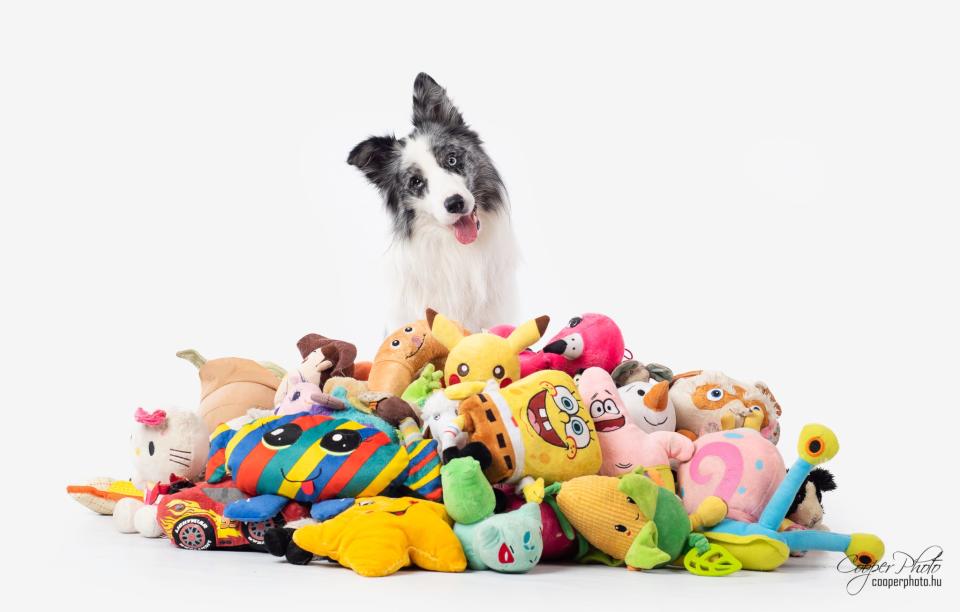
(590, 340)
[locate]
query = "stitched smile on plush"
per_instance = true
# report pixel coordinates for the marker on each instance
(308, 485)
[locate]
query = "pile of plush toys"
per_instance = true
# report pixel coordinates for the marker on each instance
(455, 450)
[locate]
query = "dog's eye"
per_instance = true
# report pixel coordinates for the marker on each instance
(463, 369)
(452, 161)
(498, 372)
(415, 182)
(395, 343)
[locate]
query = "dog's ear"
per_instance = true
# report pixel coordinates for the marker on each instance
(374, 156)
(431, 104)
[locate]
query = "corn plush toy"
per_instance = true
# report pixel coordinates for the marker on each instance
(476, 358)
(632, 520)
(377, 536)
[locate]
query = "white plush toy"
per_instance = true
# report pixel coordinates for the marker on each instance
(167, 445)
(440, 415)
(645, 391)
(649, 405)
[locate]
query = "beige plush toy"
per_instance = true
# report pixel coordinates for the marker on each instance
(230, 386)
(708, 401)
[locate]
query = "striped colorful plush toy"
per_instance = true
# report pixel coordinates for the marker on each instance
(312, 458)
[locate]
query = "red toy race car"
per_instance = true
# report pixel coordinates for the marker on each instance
(193, 518)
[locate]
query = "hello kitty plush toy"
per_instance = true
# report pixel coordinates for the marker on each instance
(168, 446)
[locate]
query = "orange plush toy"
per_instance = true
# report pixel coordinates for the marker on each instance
(402, 355)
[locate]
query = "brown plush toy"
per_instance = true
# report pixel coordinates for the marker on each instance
(487, 423)
(230, 386)
(402, 355)
(323, 359)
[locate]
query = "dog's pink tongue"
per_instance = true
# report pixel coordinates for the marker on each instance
(466, 229)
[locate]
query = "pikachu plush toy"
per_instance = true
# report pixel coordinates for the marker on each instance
(476, 358)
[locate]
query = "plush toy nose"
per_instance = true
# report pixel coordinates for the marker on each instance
(454, 204)
(557, 347)
(656, 398)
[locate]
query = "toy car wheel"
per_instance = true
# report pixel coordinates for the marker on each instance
(255, 532)
(194, 533)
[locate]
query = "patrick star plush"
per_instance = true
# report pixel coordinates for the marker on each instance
(624, 445)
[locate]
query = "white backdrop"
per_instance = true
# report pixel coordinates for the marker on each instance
(761, 188)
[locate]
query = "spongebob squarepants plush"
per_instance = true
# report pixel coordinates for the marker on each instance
(476, 358)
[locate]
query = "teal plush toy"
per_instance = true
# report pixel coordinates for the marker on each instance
(510, 543)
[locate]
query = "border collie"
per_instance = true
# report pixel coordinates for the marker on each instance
(453, 246)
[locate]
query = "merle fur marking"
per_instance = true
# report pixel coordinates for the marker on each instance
(456, 147)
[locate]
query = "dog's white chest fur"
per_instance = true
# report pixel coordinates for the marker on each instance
(474, 284)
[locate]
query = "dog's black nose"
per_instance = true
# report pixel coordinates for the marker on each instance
(454, 204)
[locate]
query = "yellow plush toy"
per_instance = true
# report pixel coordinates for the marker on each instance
(377, 536)
(476, 358)
(559, 439)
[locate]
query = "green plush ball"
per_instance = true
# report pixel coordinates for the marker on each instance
(467, 495)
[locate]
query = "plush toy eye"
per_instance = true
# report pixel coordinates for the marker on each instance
(610, 407)
(577, 429)
(341, 441)
(295, 396)
(620, 528)
(596, 409)
(715, 394)
(463, 369)
(498, 372)
(565, 400)
(395, 343)
(756, 408)
(574, 322)
(408, 329)
(151, 448)
(641, 391)
(283, 436)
